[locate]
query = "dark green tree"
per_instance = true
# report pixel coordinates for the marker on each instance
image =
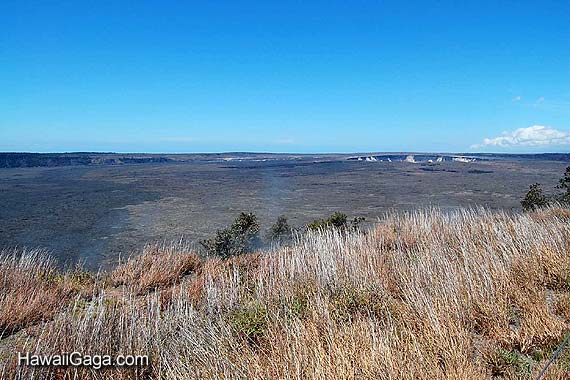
(246, 229)
(222, 244)
(338, 220)
(564, 184)
(534, 198)
(321, 224)
(281, 231)
(240, 237)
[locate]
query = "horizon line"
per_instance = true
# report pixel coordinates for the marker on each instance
(283, 153)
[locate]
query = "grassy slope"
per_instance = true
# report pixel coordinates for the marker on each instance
(469, 295)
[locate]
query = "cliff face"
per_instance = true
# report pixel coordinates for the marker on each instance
(27, 160)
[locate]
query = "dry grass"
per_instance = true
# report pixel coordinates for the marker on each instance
(157, 267)
(33, 290)
(426, 295)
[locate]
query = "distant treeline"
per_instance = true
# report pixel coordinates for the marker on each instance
(28, 160)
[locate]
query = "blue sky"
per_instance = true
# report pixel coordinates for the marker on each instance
(287, 76)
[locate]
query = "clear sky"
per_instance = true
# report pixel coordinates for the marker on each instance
(284, 76)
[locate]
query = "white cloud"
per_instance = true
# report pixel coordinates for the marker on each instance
(517, 98)
(534, 136)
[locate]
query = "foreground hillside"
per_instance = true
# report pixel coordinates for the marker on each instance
(468, 295)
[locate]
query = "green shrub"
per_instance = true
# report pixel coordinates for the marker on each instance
(535, 198)
(281, 231)
(239, 238)
(504, 362)
(564, 184)
(338, 221)
(250, 322)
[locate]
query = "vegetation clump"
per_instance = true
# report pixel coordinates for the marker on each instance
(338, 221)
(281, 231)
(564, 184)
(534, 198)
(250, 322)
(242, 236)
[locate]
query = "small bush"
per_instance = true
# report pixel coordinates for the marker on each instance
(239, 238)
(507, 363)
(250, 322)
(281, 231)
(338, 221)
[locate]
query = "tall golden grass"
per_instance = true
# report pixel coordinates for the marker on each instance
(470, 294)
